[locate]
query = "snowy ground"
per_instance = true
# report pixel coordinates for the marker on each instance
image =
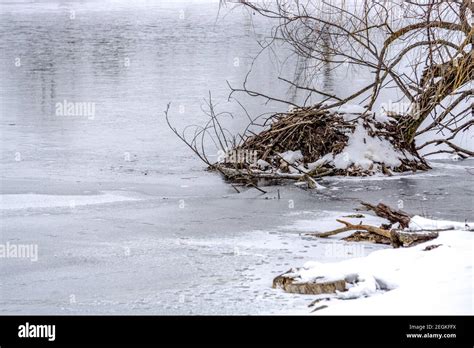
(404, 281)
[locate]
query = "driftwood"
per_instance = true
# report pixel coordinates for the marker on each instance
(407, 239)
(388, 213)
(352, 227)
(367, 237)
(431, 247)
(395, 237)
(289, 284)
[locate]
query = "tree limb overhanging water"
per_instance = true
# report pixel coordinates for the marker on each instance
(421, 52)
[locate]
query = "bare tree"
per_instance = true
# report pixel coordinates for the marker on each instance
(421, 50)
(435, 37)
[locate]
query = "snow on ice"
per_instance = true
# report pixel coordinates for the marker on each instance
(411, 280)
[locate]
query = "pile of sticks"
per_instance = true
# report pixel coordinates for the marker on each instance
(392, 233)
(313, 131)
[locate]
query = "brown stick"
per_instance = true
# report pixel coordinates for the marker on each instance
(397, 238)
(408, 239)
(330, 233)
(351, 227)
(390, 214)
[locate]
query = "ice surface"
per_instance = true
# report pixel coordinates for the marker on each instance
(221, 250)
(25, 201)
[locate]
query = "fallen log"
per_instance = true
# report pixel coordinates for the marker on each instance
(407, 239)
(396, 237)
(292, 285)
(352, 227)
(233, 174)
(367, 237)
(390, 214)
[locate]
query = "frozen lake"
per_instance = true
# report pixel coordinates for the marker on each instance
(125, 218)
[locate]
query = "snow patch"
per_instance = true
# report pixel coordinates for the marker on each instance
(31, 200)
(291, 156)
(263, 165)
(320, 162)
(418, 223)
(363, 150)
(349, 109)
(421, 281)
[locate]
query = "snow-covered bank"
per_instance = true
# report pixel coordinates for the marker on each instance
(434, 277)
